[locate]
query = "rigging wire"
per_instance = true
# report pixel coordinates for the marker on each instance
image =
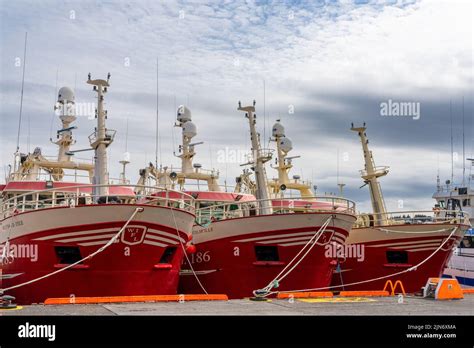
(21, 96)
(452, 150)
(55, 101)
(157, 130)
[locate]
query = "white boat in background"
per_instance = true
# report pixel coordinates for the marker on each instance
(461, 264)
(459, 197)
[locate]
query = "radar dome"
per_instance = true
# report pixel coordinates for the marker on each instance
(183, 114)
(285, 144)
(66, 95)
(189, 129)
(278, 130)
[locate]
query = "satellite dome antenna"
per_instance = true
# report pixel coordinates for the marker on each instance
(65, 109)
(187, 153)
(189, 131)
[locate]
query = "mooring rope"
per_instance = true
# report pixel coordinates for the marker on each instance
(186, 255)
(110, 242)
(282, 275)
(411, 232)
(379, 278)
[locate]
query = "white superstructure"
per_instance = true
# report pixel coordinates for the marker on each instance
(459, 197)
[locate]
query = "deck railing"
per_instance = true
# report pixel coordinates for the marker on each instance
(412, 217)
(229, 210)
(80, 195)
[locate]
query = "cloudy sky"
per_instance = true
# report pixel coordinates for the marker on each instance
(324, 64)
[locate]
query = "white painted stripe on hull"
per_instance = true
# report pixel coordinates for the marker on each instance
(422, 249)
(149, 236)
(102, 231)
(279, 236)
(298, 243)
(306, 241)
(11, 275)
(186, 272)
(295, 243)
(149, 242)
(166, 234)
(100, 242)
(405, 243)
(416, 246)
(306, 238)
(80, 239)
(72, 234)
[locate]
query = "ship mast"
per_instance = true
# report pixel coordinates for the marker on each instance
(189, 131)
(284, 165)
(167, 179)
(284, 146)
(101, 138)
(65, 108)
(188, 169)
(371, 174)
(259, 159)
(125, 160)
(31, 165)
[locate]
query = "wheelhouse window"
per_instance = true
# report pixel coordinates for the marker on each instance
(266, 253)
(60, 198)
(29, 202)
(44, 200)
(453, 204)
(467, 242)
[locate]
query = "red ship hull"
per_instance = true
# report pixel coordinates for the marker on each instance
(133, 265)
(226, 262)
(414, 248)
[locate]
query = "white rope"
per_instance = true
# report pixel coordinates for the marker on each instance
(314, 239)
(110, 242)
(379, 278)
(412, 232)
(185, 254)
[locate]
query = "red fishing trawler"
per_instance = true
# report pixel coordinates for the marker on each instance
(61, 237)
(246, 243)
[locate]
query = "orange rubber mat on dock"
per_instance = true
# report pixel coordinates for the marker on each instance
(147, 298)
(283, 295)
(364, 293)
